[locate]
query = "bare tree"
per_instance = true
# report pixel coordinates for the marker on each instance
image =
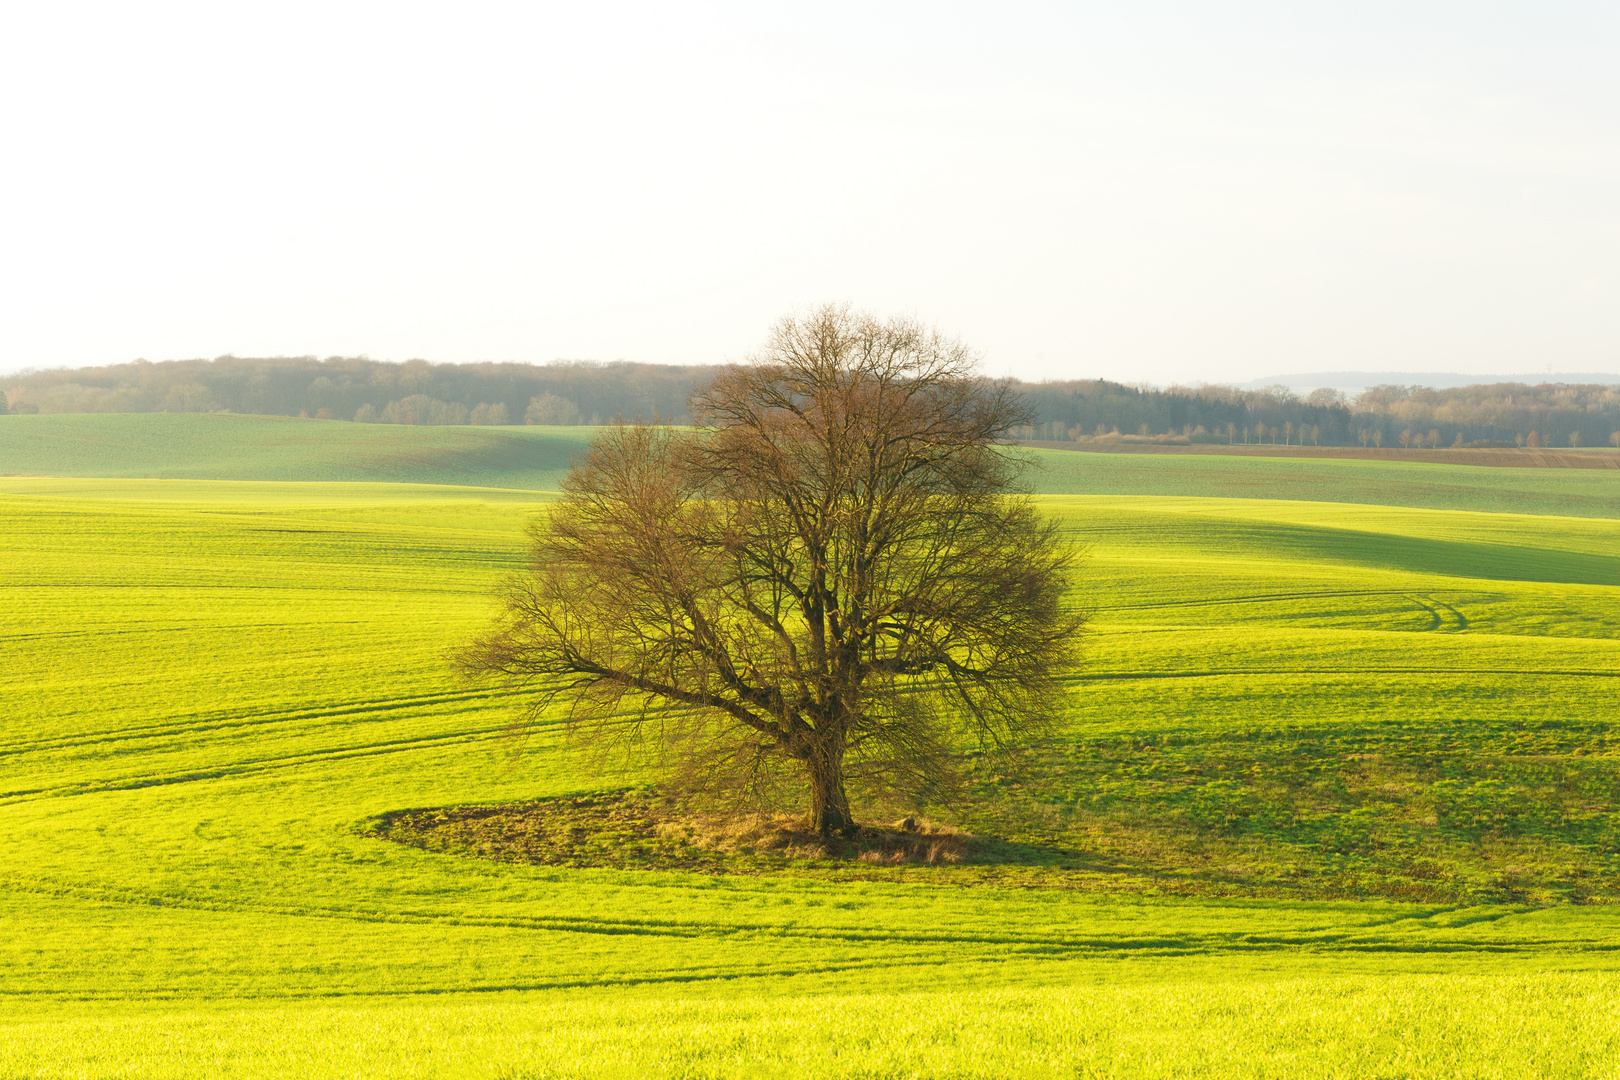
(551, 409)
(829, 581)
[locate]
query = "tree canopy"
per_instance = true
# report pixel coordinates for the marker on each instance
(831, 578)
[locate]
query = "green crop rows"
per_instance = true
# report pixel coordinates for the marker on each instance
(1338, 797)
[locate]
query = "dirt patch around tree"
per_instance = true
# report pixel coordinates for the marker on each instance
(1158, 820)
(643, 830)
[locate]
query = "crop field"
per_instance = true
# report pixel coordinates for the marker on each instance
(206, 446)
(1338, 794)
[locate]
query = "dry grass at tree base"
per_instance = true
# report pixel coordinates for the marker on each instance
(645, 830)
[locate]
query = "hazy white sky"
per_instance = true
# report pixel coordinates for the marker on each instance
(1138, 191)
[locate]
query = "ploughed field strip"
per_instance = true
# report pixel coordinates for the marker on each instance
(1375, 738)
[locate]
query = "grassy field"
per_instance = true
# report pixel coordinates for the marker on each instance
(206, 446)
(209, 446)
(1338, 798)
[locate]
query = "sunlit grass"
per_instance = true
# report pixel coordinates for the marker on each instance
(1343, 1028)
(207, 686)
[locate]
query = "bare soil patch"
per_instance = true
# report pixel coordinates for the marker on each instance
(1505, 457)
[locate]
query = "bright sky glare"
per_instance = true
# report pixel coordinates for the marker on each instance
(1162, 192)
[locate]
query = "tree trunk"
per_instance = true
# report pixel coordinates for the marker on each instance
(829, 805)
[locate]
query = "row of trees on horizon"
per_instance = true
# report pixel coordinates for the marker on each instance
(584, 392)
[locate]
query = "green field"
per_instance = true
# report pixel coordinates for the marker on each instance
(1338, 796)
(206, 446)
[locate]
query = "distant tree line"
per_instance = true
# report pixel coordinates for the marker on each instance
(585, 392)
(1501, 414)
(1498, 414)
(355, 388)
(1094, 409)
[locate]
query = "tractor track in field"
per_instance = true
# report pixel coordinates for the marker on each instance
(170, 626)
(1325, 594)
(100, 633)
(1445, 616)
(1362, 938)
(258, 766)
(728, 973)
(229, 722)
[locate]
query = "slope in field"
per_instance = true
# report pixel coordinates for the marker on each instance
(1561, 492)
(207, 446)
(230, 447)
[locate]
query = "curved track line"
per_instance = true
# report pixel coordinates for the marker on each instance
(1444, 616)
(1354, 938)
(226, 722)
(1219, 601)
(254, 767)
